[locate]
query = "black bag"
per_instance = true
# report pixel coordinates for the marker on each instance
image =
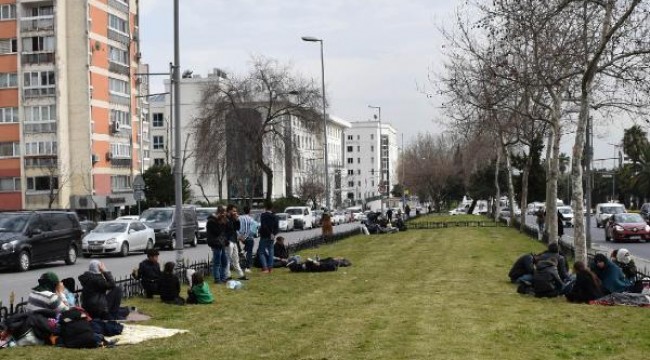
(77, 331)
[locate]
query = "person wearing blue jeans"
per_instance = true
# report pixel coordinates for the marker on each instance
(249, 244)
(247, 231)
(219, 265)
(216, 230)
(268, 229)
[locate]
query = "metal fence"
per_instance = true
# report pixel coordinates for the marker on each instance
(131, 287)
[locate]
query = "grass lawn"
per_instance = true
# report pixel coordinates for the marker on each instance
(447, 218)
(422, 294)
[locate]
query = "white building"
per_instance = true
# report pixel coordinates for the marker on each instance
(363, 162)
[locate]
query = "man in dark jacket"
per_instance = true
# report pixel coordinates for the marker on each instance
(546, 281)
(554, 252)
(523, 269)
(100, 297)
(149, 273)
(269, 227)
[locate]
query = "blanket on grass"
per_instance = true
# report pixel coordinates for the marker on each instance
(134, 334)
(630, 299)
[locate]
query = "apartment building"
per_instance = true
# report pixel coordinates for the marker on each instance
(71, 129)
(369, 171)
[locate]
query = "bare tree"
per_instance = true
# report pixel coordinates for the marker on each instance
(57, 178)
(312, 188)
(257, 107)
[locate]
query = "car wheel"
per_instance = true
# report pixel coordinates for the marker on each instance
(172, 245)
(150, 245)
(71, 256)
(195, 241)
(24, 261)
(124, 250)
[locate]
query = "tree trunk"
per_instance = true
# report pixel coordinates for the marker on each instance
(511, 186)
(551, 207)
(524, 190)
(579, 238)
(497, 202)
(549, 154)
(269, 179)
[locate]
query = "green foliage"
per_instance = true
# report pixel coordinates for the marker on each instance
(398, 190)
(282, 203)
(159, 186)
(537, 175)
(481, 182)
(635, 141)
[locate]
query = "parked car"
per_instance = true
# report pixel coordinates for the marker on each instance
(338, 218)
(128, 217)
(645, 212)
(567, 213)
(301, 216)
(505, 212)
(86, 227)
(458, 211)
(161, 220)
(625, 226)
(202, 215)
(285, 222)
(605, 210)
(317, 217)
(118, 237)
(36, 237)
(534, 207)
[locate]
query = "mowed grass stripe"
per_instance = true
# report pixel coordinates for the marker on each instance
(425, 294)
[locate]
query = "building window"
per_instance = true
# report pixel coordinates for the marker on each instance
(118, 87)
(39, 83)
(42, 183)
(117, 24)
(8, 80)
(9, 115)
(8, 46)
(158, 142)
(350, 160)
(358, 148)
(373, 183)
(122, 117)
(350, 148)
(372, 148)
(372, 160)
(7, 12)
(358, 160)
(9, 149)
(359, 183)
(351, 183)
(358, 171)
(118, 56)
(350, 137)
(120, 183)
(158, 162)
(41, 148)
(158, 120)
(372, 136)
(358, 137)
(38, 44)
(40, 119)
(9, 184)
(350, 172)
(122, 151)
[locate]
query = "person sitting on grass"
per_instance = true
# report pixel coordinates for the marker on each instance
(169, 286)
(546, 280)
(48, 295)
(523, 269)
(553, 251)
(623, 259)
(280, 253)
(100, 296)
(587, 286)
(199, 292)
(611, 276)
(148, 273)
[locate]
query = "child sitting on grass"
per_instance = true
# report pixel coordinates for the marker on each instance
(199, 292)
(169, 286)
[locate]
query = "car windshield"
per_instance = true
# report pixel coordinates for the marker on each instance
(13, 222)
(282, 216)
(565, 211)
(110, 228)
(294, 211)
(156, 216)
(629, 218)
(202, 214)
(612, 210)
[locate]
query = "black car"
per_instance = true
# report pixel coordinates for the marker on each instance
(161, 220)
(31, 237)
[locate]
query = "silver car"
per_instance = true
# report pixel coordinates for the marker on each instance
(118, 237)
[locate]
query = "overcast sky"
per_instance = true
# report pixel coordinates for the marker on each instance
(377, 52)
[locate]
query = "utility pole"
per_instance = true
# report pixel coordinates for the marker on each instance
(381, 160)
(178, 175)
(589, 141)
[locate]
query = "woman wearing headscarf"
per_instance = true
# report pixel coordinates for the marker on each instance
(623, 259)
(611, 276)
(100, 297)
(48, 295)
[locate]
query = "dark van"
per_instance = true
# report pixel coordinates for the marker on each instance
(35, 237)
(161, 220)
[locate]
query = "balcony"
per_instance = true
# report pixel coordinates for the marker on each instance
(119, 37)
(38, 58)
(121, 162)
(119, 68)
(41, 161)
(37, 23)
(39, 92)
(43, 127)
(119, 5)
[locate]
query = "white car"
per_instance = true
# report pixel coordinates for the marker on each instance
(118, 237)
(459, 211)
(338, 218)
(285, 222)
(129, 217)
(567, 213)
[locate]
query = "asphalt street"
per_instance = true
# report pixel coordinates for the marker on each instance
(21, 283)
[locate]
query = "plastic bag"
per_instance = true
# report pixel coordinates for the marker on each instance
(234, 284)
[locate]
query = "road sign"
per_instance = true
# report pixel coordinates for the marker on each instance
(138, 184)
(138, 195)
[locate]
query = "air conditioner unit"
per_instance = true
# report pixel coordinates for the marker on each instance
(115, 126)
(94, 158)
(109, 156)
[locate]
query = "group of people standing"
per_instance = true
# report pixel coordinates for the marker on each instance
(546, 275)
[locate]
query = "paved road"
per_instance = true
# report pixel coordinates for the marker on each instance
(639, 250)
(21, 283)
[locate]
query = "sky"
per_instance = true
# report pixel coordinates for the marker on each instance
(377, 52)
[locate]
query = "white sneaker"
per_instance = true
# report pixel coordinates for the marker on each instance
(247, 270)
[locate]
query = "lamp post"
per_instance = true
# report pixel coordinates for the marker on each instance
(322, 65)
(178, 175)
(381, 159)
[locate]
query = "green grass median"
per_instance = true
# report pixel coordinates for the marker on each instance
(422, 294)
(449, 218)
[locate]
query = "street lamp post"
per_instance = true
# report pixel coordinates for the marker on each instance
(381, 159)
(178, 175)
(322, 64)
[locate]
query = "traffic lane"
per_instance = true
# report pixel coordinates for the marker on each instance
(22, 282)
(639, 250)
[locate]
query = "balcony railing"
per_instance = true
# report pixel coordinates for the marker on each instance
(41, 161)
(45, 127)
(36, 23)
(38, 58)
(38, 92)
(119, 5)
(118, 36)
(119, 68)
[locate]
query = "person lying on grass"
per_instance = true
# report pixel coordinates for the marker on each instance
(199, 292)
